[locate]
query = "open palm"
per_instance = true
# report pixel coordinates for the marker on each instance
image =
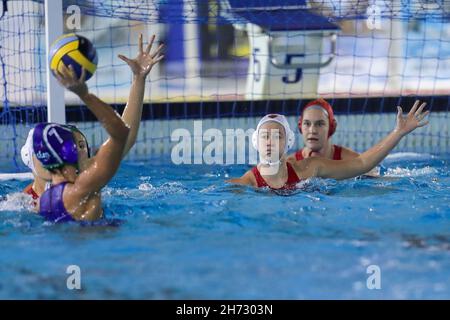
(414, 119)
(145, 60)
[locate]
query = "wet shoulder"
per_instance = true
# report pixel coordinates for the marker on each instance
(291, 158)
(306, 168)
(347, 153)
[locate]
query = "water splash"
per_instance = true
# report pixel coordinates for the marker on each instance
(16, 202)
(404, 172)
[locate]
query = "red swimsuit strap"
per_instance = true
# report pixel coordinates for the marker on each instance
(337, 155)
(293, 179)
(292, 175)
(259, 179)
(299, 155)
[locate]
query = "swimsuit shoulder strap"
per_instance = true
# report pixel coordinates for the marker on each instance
(292, 175)
(259, 179)
(337, 155)
(299, 155)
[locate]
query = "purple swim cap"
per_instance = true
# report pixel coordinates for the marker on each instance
(54, 145)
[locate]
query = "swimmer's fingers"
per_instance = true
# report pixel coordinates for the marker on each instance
(65, 72)
(158, 59)
(419, 112)
(422, 116)
(399, 113)
(83, 75)
(123, 58)
(423, 124)
(141, 44)
(414, 108)
(72, 73)
(59, 76)
(149, 46)
(64, 76)
(158, 51)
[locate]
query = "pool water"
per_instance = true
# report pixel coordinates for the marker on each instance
(181, 232)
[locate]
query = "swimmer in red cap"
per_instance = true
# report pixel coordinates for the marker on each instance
(273, 138)
(317, 124)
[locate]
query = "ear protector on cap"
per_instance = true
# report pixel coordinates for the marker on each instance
(27, 151)
(290, 136)
(327, 107)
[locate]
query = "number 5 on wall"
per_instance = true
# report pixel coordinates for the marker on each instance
(298, 72)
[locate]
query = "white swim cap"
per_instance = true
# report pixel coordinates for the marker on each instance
(27, 151)
(278, 118)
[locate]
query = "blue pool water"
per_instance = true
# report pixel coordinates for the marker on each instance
(180, 232)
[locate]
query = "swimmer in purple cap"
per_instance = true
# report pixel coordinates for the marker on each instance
(41, 176)
(74, 194)
(141, 66)
(75, 190)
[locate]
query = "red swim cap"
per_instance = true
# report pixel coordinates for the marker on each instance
(324, 104)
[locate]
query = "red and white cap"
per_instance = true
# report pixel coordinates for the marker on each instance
(278, 118)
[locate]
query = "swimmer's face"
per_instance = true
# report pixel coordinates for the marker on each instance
(39, 171)
(82, 148)
(271, 141)
(315, 126)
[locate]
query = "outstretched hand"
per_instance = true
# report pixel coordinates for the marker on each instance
(145, 60)
(68, 78)
(413, 120)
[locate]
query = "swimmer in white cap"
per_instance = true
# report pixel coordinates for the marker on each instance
(273, 138)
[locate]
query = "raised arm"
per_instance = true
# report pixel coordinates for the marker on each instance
(140, 66)
(105, 164)
(348, 154)
(366, 161)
